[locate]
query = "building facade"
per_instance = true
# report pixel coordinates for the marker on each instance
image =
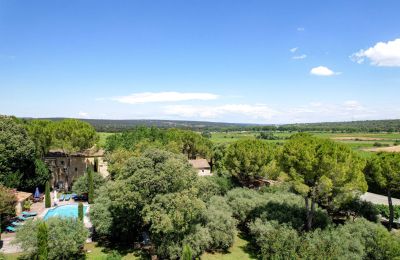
(202, 166)
(65, 169)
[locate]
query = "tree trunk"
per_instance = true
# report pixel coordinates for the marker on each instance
(391, 213)
(310, 209)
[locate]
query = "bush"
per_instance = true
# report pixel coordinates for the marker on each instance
(47, 199)
(7, 205)
(220, 224)
(66, 238)
(384, 211)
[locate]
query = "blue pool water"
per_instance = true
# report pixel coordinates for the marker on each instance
(66, 211)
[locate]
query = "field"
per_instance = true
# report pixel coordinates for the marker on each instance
(364, 143)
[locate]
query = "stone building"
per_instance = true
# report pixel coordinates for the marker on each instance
(202, 166)
(65, 169)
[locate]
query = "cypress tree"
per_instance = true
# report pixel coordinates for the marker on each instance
(80, 211)
(187, 253)
(47, 198)
(91, 187)
(42, 237)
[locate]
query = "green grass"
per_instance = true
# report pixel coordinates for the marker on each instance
(388, 139)
(103, 137)
(236, 252)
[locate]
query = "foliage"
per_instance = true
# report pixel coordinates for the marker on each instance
(42, 238)
(281, 206)
(186, 253)
(220, 223)
(73, 135)
(384, 169)
(17, 153)
(90, 186)
(384, 211)
(114, 255)
(249, 160)
(359, 208)
(47, 199)
(41, 132)
(27, 205)
(80, 211)
(81, 185)
(322, 171)
(174, 140)
(7, 205)
(66, 237)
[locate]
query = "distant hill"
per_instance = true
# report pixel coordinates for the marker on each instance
(107, 125)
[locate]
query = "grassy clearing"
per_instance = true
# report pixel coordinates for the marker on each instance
(103, 137)
(236, 252)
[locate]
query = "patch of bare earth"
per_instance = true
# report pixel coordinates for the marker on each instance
(355, 138)
(390, 149)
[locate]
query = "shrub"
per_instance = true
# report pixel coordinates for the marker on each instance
(66, 238)
(42, 237)
(47, 199)
(384, 211)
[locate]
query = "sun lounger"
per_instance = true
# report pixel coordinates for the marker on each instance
(62, 197)
(10, 229)
(29, 214)
(22, 218)
(67, 197)
(16, 224)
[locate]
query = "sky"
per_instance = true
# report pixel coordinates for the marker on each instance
(267, 62)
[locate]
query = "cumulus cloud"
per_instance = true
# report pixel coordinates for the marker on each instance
(293, 50)
(299, 57)
(323, 71)
(83, 114)
(260, 111)
(154, 97)
(384, 54)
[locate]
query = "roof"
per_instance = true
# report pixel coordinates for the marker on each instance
(378, 199)
(199, 163)
(86, 153)
(21, 195)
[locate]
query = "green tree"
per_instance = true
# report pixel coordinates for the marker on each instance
(67, 237)
(17, 153)
(72, 135)
(47, 199)
(8, 202)
(81, 185)
(42, 240)
(80, 211)
(42, 133)
(90, 186)
(385, 170)
(322, 171)
(186, 253)
(249, 160)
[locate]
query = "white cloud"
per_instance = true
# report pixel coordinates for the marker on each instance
(258, 111)
(293, 50)
(353, 105)
(83, 114)
(300, 29)
(299, 57)
(323, 71)
(384, 54)
(153, 97)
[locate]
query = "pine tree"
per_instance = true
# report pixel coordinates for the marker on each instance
(91, 187)
(47, 195)
(187, 253)
(42, 238)
(80, 211)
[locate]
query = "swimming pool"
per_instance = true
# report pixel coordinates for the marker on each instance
(66, 211)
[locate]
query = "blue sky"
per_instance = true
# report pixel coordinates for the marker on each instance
(217, 60)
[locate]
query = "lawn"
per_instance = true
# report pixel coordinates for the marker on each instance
(236, 252)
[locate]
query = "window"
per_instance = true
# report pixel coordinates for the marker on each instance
(76, 169)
